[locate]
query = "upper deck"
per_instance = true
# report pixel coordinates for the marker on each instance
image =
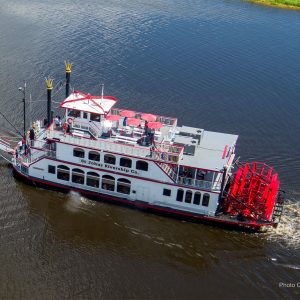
(93, 122)
(206, 150)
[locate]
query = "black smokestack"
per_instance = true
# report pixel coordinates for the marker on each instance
(68, 77)
(49, 83)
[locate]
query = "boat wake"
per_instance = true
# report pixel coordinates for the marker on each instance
(288, 230)
(76, 202)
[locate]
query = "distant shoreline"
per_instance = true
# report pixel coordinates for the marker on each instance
(289, 4)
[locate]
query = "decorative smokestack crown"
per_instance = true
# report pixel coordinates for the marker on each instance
(68, 65)
(49, 83)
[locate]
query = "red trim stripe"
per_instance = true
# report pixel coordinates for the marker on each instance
(224, 152)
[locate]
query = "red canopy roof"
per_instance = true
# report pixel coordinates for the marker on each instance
(155, 125)
(133, 122)
(113, 118)
(127, 113)
(148, 117)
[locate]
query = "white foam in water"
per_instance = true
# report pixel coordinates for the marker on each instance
(288, 230)
(76, 202)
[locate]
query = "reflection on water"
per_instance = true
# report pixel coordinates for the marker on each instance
(222, 65)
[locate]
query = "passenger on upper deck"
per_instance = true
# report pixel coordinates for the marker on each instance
(57, 121)
(66, 128)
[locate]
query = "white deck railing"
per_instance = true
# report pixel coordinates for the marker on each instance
(214, 185)
(36, 155)
(201, 184)
(111, 146)
(98, 144)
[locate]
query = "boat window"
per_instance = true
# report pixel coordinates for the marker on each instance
(167, 192)
(92, 179)
(205, 200)
(93, 155)
(51, 169)
(84, 115)
(179, 197)
(142, 165)
(110, 159)
(197, 198)
(63, 173)
(95, 117)
(188, 196)
(77, 152)
(74, 113)
(123, 186)
(200, 174)
(108, 182)
(125, 162)
(78, 176)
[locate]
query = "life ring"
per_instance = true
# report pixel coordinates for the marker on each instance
(65, 126)
(70, 121)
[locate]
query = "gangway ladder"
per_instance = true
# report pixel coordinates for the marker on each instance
(168, 170)
(87, 128)
(5, 148)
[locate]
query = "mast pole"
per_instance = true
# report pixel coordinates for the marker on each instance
(24, 109)
(23, 90)
(68, 77)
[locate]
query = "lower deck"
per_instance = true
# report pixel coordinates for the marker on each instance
(125, 185)
(173, 211)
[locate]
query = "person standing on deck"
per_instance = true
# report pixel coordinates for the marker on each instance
(31, 136)
(56, 121)
(59, 121)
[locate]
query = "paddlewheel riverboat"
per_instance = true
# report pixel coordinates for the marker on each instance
(146, 161)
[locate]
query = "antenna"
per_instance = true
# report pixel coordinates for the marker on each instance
(30, 110)
(102, 91)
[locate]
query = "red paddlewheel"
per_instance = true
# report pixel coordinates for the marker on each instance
(253, 192)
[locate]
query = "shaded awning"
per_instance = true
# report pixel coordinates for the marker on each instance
(85, 102)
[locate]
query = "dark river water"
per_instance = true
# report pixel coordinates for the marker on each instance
(227, 66)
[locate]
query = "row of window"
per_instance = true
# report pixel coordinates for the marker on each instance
(92, 179)
(188, 197)
(111, 159)
(122, 185)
